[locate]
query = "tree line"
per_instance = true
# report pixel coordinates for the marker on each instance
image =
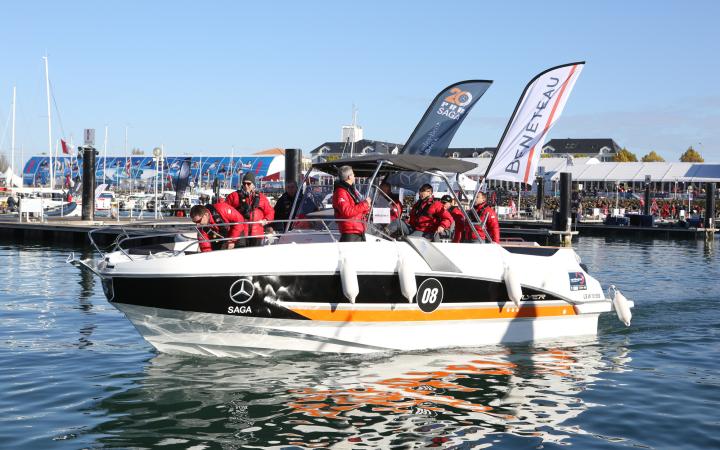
(625, 155)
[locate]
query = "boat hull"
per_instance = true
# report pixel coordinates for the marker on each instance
(356, 328)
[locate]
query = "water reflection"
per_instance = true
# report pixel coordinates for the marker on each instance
(400, 400)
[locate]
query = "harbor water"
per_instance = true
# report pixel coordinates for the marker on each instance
(74, 373)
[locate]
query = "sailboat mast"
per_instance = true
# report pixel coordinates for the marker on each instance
(105, 153)
(128, 167)
(50, 149)
(12, 145)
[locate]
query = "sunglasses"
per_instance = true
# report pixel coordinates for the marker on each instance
(247, 183)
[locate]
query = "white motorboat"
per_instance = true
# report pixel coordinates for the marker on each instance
(305, 291)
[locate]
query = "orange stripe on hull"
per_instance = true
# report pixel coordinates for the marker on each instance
(338, 315)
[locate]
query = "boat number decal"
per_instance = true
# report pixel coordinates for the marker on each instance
(577, 281)
(429, 295)
(242, 291)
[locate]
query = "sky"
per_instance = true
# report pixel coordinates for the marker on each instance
(203, 78)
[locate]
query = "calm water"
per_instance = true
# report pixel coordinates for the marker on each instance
(75, 374)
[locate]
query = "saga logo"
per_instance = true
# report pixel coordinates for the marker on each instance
(454, 104)
(242, 291)
(245, 309)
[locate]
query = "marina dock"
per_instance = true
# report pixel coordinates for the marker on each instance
(72, 230)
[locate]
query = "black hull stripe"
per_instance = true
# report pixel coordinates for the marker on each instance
(212, 294)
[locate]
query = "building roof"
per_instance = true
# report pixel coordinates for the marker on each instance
(580, 146)
(271, 152)
(363, 146)
(468, 152)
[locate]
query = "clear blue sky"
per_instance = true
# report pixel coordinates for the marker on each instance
(200, 77)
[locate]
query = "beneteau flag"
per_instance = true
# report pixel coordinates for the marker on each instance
(65, 148)
(541, 104)
(442, 119)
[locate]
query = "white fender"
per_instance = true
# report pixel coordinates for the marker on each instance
(348, 277)
(620, 303)
(408, 286)
(512, 284)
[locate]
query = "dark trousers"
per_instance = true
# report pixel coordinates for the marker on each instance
(352, 237)
(253, 242)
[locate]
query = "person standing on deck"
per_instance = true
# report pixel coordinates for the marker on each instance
(349, 207)
(487, 215)
(254, 207)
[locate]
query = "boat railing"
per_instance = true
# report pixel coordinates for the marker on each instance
(307, 228)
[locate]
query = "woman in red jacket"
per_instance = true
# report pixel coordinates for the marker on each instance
(254, 207)
(211, 220)
(348, 206)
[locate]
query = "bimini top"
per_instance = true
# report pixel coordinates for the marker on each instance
(366, 165)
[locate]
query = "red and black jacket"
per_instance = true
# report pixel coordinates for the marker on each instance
(487, 215)
(253, 207)
(459, 219)
(348, 205)
(220, 214)
(429, 214)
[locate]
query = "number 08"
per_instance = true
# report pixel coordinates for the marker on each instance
(429, 295)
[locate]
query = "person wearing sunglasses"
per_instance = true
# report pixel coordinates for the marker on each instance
(254, 207)
(218, 221)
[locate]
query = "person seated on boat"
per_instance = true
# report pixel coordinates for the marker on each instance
(458, 227)
(349, 207)
(427, 216)
(254, 207)
(211, 221)
(487, 216)
(387, 199)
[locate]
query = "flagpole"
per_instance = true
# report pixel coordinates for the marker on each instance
(47, 89)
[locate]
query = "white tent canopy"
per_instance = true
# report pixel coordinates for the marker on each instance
(590, 170)
(11, 179)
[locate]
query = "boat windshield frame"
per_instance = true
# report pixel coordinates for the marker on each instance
(429, 165)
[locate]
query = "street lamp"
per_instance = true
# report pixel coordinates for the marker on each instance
(157, 156)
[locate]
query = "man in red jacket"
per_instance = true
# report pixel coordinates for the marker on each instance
(458, 228)
(254, 207)
(348, 206)
(211, 220)
(487, 216)
(428, 216)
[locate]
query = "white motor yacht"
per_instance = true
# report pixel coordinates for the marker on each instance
(306, 291)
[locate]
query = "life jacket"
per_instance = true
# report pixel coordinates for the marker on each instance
(212, 234)
(422, 212)
(244, 208)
